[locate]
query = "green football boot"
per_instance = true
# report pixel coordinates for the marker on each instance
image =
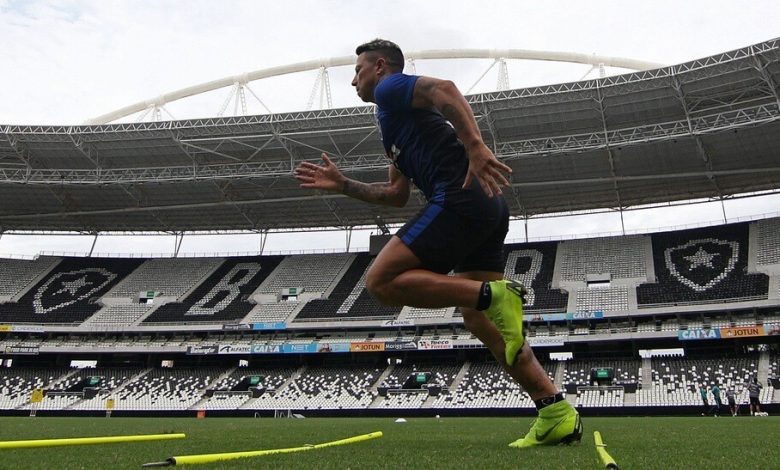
(506, 312)
(558, 423)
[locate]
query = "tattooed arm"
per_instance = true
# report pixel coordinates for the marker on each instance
(445, 96)
(327, 176)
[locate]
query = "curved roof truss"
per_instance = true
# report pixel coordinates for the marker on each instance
(514, 54)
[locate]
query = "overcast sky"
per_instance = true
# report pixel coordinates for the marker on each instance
(67, 61)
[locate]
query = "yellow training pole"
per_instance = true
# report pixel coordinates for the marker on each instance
(78, 441)
(209, 458)
(605, 458)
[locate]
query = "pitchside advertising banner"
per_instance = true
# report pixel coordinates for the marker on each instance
(721, 333)
(201, 350)
(333, 347)
(564, 316)
(22, 350)
(303, 348)
(395, 323)
(269, 326)
(698, 333)
(367, 347)
(742, 332)
(400, 346)
(427, 344)
(546, 341)
(22, 328)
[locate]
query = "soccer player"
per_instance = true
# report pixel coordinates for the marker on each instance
(716, 395)
(731, 398)
(706, 404)
(432, 140)
(754, 389)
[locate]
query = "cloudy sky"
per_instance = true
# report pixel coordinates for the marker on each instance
(67, 61)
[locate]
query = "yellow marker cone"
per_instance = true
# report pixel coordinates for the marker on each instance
(209, 458)
(79, 441)
(605, 458)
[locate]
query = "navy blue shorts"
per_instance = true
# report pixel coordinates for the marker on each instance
(465, 234)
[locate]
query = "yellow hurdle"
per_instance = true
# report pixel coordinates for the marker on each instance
(606, 459)
(80, 441)
(209, 458)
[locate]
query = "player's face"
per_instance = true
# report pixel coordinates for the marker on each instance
(366, 77)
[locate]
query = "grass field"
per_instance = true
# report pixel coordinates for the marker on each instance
(425, 443)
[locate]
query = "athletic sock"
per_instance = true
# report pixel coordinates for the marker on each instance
(485, 296)
(547, 401)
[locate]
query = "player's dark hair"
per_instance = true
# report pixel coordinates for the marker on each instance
(388, 50)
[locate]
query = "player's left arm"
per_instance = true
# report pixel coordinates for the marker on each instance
(445, 96)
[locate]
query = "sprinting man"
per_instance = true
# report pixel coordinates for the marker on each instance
(432, 139)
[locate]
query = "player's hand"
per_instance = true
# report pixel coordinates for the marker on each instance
(485, 167)
(326, 176)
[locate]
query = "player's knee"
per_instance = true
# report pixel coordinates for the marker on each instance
(378, 287)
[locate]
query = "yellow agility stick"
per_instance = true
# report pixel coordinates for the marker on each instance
(209, 458)
(606, 459)
(78, 441)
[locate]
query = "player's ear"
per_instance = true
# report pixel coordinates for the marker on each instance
(380, 63)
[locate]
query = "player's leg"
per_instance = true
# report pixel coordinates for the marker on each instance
(410, 268)
(558, 422)
(526, 370)
(397, 277)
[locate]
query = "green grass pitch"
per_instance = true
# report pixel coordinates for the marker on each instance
(424, 443)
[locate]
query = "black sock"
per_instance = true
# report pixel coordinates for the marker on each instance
(547, 401)
(485, 296)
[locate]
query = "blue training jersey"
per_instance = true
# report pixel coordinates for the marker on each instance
(420, 141)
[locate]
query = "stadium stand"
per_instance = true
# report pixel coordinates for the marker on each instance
(324, 388)
(167, 277)
(69, 292)
(166, 389)
(485, 385)
(577, 372)
(312, 273)
(223, 296)
(675, 381)
(118, 315)
(621, 257)
(533, 264)
(17, 384)
(602, 299)
(768, 242)
(16, 274)
(225, 396)
(272, 312)
(702, 265)
(349, 298)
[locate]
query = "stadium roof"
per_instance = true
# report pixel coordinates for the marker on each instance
(708, 128)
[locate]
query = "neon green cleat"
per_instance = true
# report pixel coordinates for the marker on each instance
(506, 312)
(557, 424)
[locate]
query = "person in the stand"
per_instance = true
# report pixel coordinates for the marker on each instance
(732, 401)
(432, 140)
(706, 404)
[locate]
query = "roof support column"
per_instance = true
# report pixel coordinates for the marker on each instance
(178, 238)
(263, 238)
(92, 249)
(612, 172)
(349, 237)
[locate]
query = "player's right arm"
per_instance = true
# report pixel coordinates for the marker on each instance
(394, 192)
